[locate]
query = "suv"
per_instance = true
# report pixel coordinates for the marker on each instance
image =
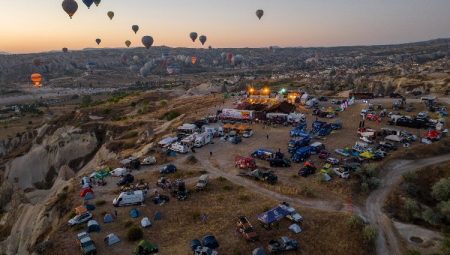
(282, 244)
(80, 218)
(127, 179)
(88, 246)
(168, 169)
(277, 162)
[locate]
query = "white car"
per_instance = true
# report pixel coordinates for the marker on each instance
(81, 218)
(119, 172)
(341, 173)
(247, 134)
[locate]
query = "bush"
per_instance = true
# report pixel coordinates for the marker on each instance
(308, 192)
(163, 103)
(355, 222)
(431, 217)
(444, 208)
(86, 100)
(445, 246)
(441, 190)
(128, 223)
(412, 208)
(227, 188)
(135, 234)
(370, 234)
(171, 115)
(100, 202)
(410, 176)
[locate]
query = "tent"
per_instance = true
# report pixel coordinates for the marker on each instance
(93, 226)
(108, 218)
(394, 138)
(111, 239)
(295, 228)
(134, 213)
(80, 209)
(145, 222)
(273, 215)
(89, 196)
(145, 247)
(84, 191)
(259, 251)
(90, 207)
(158, 216)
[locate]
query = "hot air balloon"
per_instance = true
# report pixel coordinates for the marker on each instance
(134, 68)
(37, 80)
(70, 7)
(88, 3)
(65, 50)
(229, 57)
(136, 59)
(127, 43)
(135, 28)
(147, 41)
(97, 2)
(193, 36)
(98, 41)
(110, 15)
(37, 62)
(193, 60)
(237, 60)
(202, 39)
(259, 13)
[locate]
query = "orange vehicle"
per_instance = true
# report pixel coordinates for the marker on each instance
(245, 228)
(245, 162)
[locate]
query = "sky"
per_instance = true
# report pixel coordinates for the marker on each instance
(42, 25)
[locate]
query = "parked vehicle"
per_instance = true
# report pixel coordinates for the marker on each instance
(119, 172)
(131, 163)
(87, 246)
(178, 147)
(282, 244)
(81, 218)
(202, 182)
(323, 154)
(236, 115)
(317, 147)
(344, 174)
(135, 197)
(262, 175)
(301, 154)
(244, 162)
(333, 161)
(202, 139)
(168, 169)
(296, 143)
(247, 133)
(308, 169)
(277, 162)
(245, 228)
(151, 160)
(127, 179)
(263, 154)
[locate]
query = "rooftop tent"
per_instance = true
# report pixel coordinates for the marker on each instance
(84, 191)
(111, 239)
(80, 209)
(158, 216)
(145, 247)
(259, 251)
(145, 222)
(108, 218)
(273, 215)
(134, 213)
(295, 228)
(93, 226)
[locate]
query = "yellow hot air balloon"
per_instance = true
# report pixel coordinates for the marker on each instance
(194, 60)
(37, 80)
(111, 15)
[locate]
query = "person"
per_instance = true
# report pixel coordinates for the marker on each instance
(267, 136)
(115, 213)
(210, 153)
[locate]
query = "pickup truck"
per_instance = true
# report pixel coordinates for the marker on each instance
(282, 244)
(245, 228)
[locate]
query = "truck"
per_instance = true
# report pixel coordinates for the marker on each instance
(236, 115)
(296, 143)
(215, 131)
(135, 197)
(178, 147)
(282, 244)
(245, 228)
(262, 175)
(244, 162)
(301, 154)
(263, 154)
(317, 147)
(202, 139)
(187, 129)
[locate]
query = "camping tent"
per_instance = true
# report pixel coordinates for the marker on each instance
(295, 228)
(134, 213)
(90, 207)
(89, 196)
(145, 247)
(84, 191)
(111, 239)
(259, 251)
(145, 222)
(93, 226)
(158, 216)
(108, 218)
(80, 209)
(273, 215)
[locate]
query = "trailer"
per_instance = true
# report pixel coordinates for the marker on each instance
(236, 115)
(202, 139)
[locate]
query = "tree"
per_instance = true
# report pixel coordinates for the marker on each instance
(441, 190)
(370, 234)
(444, 208)
(412, 208)
(431, 217)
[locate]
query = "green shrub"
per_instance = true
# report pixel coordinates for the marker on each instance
(431, 217)
(441, 190)
(370, 234)
(171, 115)
(355, 222)
(227, 188)
(128, 223)
(134, 234)
(410, 176)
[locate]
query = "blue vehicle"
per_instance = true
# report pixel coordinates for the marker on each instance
(336, 125)
(302, 154)
(263, 154)
(296, 143)
(296, 132)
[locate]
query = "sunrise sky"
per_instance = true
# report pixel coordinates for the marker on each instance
(42, 25)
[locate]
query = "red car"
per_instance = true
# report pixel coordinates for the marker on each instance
(373, 117)
(323, 154)
(433, 135)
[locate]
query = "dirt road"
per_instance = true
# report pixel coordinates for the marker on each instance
(388, 242)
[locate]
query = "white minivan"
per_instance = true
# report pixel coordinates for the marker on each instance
(129, 198)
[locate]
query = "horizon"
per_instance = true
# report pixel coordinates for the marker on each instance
(286, 23)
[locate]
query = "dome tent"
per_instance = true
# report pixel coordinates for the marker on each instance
(111, 239)
(93, 226)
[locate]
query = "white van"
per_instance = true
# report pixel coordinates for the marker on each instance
(202, 182)
(129, 198)
(119, 172)
(180, 148)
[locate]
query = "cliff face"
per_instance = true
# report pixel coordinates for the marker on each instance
(8, 145)
(39, 167)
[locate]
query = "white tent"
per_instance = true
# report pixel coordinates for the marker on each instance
(394, 138)
(295, 228)
(111, 239)
(145, 222)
